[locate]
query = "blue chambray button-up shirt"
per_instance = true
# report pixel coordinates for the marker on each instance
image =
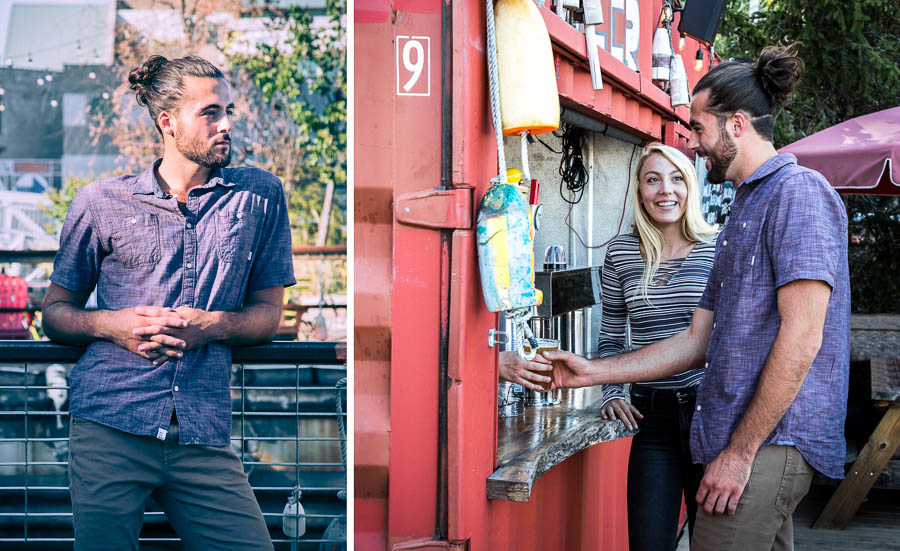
(128, 238)
(786, 224)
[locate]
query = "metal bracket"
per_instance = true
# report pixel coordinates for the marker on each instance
(538, 216)
(495, 337)
(435, 208)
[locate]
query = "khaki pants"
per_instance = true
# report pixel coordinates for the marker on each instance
(202, 489)
(779, 480)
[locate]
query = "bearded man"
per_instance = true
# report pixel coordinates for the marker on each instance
(187, 258)
(772, 327)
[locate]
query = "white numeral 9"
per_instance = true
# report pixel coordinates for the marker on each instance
(414, 68)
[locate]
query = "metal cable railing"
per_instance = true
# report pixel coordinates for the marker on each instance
(285, 429)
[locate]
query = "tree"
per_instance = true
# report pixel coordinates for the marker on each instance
(306, 78)
(59, 201)
(851, 51)
(852, 56)
(303, 144)
(117, 117)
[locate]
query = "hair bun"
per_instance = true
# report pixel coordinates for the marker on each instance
(141, 78)
(778, 71)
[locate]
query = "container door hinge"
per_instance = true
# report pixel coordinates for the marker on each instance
(435, 208)
(431, 544)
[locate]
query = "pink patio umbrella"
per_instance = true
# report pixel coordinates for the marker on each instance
(861, 155)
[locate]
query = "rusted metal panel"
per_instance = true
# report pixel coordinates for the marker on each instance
(372, 271)
(677, 136)
(416, 281)
(398, 268)
(619, 80)
(472, 396)
(471, 106)
(578, 506)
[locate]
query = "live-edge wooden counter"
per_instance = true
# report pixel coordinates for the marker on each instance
(531, 444)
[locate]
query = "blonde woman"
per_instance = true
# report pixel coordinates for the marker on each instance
(653, 280)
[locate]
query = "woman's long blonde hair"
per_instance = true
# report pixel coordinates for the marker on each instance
(694, 227)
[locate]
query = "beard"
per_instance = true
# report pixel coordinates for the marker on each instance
(721, 157)
(197, 151)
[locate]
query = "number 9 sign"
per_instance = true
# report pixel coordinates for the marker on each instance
(413, 65)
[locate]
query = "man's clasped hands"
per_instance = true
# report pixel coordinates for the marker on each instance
(159, 333)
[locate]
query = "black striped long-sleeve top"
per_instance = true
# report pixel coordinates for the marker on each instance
(673, 296)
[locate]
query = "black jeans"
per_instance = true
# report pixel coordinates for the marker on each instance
(660, 468)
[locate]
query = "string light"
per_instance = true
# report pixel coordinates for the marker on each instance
(2, 107)
(54, 103)
(9, 62)
(698, 63)
(2, 91)
(92, 75)
(55, 48)
(105, 95)
(40, 82)
(667, 12)
(48, 78)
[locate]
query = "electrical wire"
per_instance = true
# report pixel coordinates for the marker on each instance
(621, 217)
(574, 175)
(60, 46)
(531, 139)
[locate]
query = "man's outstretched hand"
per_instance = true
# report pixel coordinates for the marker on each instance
(569, 370)
(526, 373)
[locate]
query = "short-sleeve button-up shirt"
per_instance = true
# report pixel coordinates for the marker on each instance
(786, 223)
(129, 239)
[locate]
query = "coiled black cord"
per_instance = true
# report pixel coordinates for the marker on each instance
(571, 166)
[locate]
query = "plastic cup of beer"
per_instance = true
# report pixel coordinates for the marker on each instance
(543, 345)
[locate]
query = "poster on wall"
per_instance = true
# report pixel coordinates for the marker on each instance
(715, 199)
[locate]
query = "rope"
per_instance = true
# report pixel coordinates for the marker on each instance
(526, 173)
(341, 385)
(519, 317)
(494, 79)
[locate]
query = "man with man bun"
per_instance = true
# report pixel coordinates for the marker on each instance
(187, 258)
(772, 327)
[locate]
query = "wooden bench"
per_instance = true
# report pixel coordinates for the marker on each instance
(875, 454)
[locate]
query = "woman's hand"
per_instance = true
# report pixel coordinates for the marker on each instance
(620, 409)
(528, 374)
(571, 370)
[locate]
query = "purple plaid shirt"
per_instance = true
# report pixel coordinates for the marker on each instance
(786, 224)
(129, 239)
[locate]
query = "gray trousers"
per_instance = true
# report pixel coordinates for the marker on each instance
(764, 518)
(202, 489)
